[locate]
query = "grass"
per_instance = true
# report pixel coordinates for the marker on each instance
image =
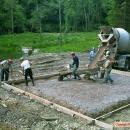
(10, 45)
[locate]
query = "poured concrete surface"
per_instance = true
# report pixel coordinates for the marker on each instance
(86, 96)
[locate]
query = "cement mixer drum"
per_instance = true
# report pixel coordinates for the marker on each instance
(122, 39)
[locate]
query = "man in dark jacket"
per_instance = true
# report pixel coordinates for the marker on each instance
(74, 66)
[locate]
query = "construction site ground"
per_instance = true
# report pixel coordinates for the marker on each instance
(90, 97)
(19, 112)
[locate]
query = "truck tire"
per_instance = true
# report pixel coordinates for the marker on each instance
(127, 66)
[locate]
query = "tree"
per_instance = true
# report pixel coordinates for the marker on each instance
(19, 19)
(43, 15)
(127, 15)
(119, 14)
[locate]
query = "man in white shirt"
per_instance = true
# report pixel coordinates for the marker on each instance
(27, 70)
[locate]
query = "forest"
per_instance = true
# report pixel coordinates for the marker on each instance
(18, 16)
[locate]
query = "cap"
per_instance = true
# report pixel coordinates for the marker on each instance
(72, 53)
(10, 61)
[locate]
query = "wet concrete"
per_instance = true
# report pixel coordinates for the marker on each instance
(52, 62)
(85, 96)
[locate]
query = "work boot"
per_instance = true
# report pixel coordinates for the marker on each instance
(105, 82)
(26, 83)
(32, 82)
(111, 81)
(79, 78)
(74, 76)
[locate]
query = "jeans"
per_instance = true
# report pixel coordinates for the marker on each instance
(4, 74)
(74, 71)
(107, 76)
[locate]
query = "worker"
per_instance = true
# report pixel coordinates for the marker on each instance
(74, 66)
(6, 68)
(108, 67)
(101, 63)
(27, 71)
(92, 54)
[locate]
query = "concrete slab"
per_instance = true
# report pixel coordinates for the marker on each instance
(88, 97)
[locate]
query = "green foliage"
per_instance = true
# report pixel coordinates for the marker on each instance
(84, 15)
(39, 16)
(19, 19)
(10, 45)
(119, 13)
(78, 42)
(43, 15)
(127, 17)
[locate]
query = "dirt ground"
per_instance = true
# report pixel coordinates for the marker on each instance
(18, 112)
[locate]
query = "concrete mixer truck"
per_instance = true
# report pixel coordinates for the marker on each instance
(114, 40)
(117, 41)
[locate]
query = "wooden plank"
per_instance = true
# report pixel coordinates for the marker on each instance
(104, 125)
(114, 111)
(22, 80)
(47, 102)
(57, 107)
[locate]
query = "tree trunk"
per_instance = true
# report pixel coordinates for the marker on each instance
(12, 18)
(86, 20)
(60, 35)
(66, 23)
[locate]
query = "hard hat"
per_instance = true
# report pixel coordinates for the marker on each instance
(107, 52)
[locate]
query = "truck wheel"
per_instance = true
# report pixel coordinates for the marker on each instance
(127, 66)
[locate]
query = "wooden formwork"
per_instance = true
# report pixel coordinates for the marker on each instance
(57, 106)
